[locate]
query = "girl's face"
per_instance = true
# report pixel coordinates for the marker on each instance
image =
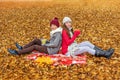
(68, 24)
(53, 27)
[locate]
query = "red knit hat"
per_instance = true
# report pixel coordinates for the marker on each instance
(55, 22)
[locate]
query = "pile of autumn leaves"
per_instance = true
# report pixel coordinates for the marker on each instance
(19, 24)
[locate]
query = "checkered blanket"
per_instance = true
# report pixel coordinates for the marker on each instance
(56, 59)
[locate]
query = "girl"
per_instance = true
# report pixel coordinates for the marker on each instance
(51, 47)
(71, 48)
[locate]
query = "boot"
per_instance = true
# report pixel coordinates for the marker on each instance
(106, 54)
(97, 48)
(18, 46)
(14, 52)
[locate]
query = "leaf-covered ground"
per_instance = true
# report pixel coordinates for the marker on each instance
(99, 22)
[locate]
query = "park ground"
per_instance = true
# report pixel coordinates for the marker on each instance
(98, 21)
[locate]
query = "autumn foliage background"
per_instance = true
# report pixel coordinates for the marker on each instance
(98, 20)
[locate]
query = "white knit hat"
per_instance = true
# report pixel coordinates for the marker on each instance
(66, 19)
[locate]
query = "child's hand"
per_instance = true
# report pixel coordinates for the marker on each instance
(76, 32)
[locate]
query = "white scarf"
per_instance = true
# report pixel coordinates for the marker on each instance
(59, 29)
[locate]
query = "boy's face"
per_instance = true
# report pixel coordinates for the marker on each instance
(53, 27)
(68, 24)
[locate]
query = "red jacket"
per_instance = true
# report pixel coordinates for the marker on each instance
(66, 40)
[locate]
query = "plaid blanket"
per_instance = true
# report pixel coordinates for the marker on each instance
(56, 59)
